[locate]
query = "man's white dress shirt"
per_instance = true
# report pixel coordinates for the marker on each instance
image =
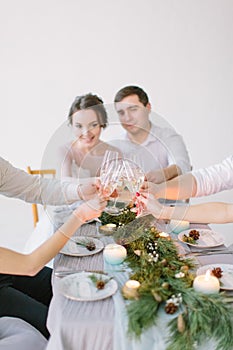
(162, 148)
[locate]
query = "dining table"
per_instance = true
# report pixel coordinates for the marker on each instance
(102, 324)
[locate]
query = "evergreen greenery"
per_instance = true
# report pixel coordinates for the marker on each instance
(164, 275)
(124, 218)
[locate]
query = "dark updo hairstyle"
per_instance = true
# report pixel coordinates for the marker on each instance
(132, 90)
(92, 102)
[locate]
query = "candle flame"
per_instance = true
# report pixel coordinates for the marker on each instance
(207, 275)
(163, 234)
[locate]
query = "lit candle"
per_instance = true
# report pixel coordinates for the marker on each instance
(164, 235)
(206, 284)
(114, 253)
(132, 284)
(130, 289)
(108, 228)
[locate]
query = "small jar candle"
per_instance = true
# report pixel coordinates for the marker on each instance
(130, 289)
(164, 235)
(107, 229)
(206, 284)
(110, 227)
(114, 253)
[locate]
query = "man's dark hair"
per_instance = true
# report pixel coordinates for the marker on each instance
(132, 90)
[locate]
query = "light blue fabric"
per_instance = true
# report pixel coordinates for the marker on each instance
(18, 334)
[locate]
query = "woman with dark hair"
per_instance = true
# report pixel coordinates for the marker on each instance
(87, 117)
(80, 159)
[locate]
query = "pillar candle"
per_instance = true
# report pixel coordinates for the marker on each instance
(206, 284)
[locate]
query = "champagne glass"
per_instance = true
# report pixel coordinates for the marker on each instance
(108, 162)
(134, 178)
(114, 210)
(110, 173)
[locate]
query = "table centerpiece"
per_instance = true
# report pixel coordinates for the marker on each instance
(166, 280)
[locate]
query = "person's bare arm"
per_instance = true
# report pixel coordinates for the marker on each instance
(202, 213)
(181, 187)
(12, 262)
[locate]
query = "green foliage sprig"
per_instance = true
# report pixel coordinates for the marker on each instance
(123, 219)
(164, 274)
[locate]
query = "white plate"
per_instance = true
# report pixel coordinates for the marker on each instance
(80, 287)
(208, 238)
(73, 249)
(227, 275)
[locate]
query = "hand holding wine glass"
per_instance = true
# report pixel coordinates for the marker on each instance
(110, 174)
(134, 176)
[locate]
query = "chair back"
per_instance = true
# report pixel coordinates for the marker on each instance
(42, 173)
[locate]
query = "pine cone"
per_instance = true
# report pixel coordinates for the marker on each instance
(100, 284)
(217, 272)
(165, 285)
(171, 308)
(184, 268)
(90, 246)
(164, 262)
(157, 297)
(194, 234)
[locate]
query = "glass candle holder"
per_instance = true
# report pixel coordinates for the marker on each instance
(114, 254)
(130, 289)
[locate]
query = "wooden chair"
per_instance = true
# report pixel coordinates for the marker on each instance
(42, 173)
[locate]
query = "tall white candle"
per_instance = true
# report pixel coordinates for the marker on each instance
(114, 253)
(206, 284)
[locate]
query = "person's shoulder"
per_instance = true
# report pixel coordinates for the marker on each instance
(163, 131)
(66, 150)
(228, 161)
(3, 162)
(65, 146)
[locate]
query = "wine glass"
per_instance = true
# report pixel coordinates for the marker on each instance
(108, 162)
(120, 186)
(134, 178)
(110, 174)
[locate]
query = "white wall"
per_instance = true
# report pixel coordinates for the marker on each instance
(180, 51)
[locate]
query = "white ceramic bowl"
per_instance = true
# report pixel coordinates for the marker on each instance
(177, 226)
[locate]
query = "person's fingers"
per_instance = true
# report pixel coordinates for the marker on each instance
(98, 184)
(143, 200)
(145, 185)
(114, 194)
